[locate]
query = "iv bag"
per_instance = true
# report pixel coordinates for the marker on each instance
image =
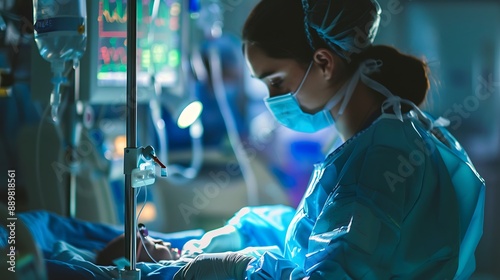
(60, 29)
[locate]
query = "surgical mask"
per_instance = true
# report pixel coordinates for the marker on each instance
(286, 109)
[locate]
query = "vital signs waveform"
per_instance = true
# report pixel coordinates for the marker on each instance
(115, 55)
(115, 11)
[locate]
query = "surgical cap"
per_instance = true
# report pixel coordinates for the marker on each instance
(346, 26)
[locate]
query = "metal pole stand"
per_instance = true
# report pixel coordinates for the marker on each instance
(136, 173)
(131, 151)
(130, 274)
(139, 169)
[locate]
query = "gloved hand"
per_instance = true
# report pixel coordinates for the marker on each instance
(216, 266)
(226, 238)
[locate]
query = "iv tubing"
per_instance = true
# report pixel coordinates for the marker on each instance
(38, 151)
(186, 174)
(232, 131)
(57, 79)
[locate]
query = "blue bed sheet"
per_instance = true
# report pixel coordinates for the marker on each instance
(67, 244)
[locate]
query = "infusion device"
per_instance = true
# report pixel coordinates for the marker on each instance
(60, 34)
(144, 173)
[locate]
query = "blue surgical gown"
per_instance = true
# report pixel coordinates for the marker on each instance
(393, 202)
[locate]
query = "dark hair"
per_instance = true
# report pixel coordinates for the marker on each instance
(277, 27)
(404, 75)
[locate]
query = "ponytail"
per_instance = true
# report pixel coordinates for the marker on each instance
(404, 75)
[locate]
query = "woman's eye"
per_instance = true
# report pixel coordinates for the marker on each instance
(276, 83)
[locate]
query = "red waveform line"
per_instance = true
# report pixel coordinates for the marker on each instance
(118, 55)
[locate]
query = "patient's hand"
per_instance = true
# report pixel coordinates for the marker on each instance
(223, 239)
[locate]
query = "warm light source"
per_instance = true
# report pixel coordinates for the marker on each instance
(184, 110)
(120, 142)
(148, 213)
(190, 114)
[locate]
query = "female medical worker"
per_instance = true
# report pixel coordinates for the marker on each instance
(399, 199)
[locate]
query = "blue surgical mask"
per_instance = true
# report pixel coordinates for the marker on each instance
(286, 109)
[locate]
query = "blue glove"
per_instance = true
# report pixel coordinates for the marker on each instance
(216, 266)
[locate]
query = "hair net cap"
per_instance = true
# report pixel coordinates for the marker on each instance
(347, 26)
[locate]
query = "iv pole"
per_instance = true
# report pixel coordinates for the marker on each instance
(133, 154)
(131, 151)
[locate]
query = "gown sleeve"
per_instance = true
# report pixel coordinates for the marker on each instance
(263, 225)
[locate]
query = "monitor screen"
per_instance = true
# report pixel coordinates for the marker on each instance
(158, 48)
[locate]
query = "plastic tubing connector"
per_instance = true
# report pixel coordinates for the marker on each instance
(57, 80)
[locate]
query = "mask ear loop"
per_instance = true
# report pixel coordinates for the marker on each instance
(366, 67)
(348, 90)
(335, 99)
(304, 78)
(344, 93)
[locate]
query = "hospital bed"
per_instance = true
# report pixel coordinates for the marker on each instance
(49, 246)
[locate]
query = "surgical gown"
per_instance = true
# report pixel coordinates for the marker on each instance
(393, 202)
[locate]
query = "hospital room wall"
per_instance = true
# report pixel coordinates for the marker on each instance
(461, 44)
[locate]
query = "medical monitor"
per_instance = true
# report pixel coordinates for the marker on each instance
(159, 49)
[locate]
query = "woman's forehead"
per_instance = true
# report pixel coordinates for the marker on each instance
(261, 65)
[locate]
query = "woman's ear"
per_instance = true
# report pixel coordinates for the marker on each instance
(327, 61)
